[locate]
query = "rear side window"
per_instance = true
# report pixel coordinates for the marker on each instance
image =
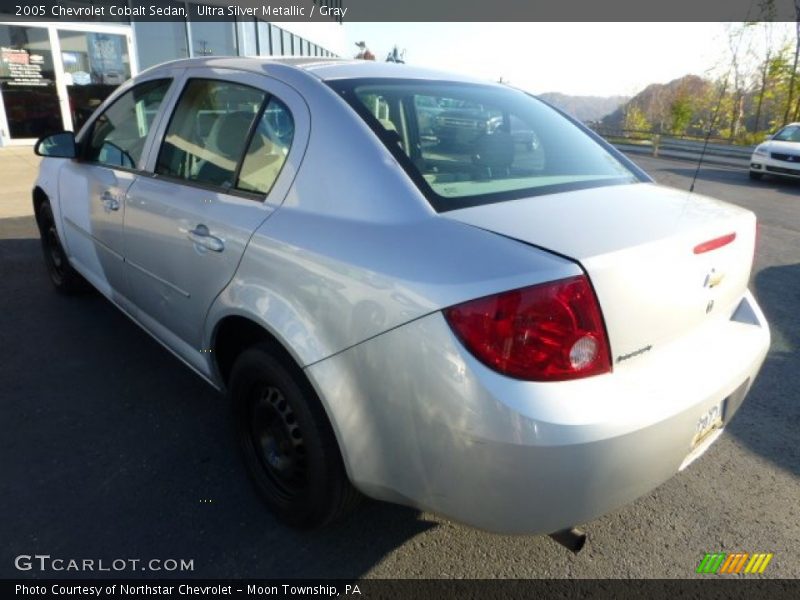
(268, 148)
(118, 135)
(469, 144)
(209, 132)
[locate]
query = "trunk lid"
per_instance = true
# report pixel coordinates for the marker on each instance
(638, 245)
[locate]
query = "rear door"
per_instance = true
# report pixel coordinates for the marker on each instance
(92, 188)
(226, 158)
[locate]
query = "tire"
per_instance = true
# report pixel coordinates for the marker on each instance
(288, 444)
(756, 175)
(65, 279)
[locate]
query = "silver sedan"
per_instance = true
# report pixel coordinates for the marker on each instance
(520, 337)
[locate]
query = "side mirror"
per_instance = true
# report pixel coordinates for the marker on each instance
(57, 145)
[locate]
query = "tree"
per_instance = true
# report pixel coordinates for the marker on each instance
(635, 119)
(763, 72)
(793, 75)
(681, 113)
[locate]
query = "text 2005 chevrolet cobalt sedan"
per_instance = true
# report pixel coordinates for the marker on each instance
(519, 336)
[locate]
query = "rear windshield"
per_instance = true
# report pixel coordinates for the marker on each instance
(466, 144)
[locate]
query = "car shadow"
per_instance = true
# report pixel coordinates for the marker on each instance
(769, 419)
(112, 449)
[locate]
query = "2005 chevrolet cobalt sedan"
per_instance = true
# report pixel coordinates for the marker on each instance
(519, 336)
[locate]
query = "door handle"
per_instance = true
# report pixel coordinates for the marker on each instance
(109, 201)
(202, 237)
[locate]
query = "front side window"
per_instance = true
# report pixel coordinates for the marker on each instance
(118, 135)
(468, 144)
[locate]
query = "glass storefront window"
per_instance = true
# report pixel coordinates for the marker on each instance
(160, 41)
(27, 82)
(248, 43)
(277, 40)
(94, 65)
(287, 43)
(264, 46)
(213, 38)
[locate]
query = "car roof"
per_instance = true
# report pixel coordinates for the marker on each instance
(325, 69)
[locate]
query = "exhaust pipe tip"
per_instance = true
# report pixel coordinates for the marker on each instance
(573, 539)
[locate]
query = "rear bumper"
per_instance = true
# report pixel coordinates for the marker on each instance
(421, 422)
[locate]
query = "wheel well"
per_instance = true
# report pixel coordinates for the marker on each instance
(234, 335)
(39, 198)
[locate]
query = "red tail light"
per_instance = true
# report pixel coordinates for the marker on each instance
(548, 332)
(715, 243)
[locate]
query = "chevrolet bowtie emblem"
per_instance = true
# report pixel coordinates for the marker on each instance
(713, 279)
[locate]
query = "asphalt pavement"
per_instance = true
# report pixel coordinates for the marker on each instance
(111, 449)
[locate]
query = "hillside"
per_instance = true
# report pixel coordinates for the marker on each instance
(584, 108)
(659, 103)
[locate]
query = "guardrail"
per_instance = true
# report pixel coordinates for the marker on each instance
(643, 142)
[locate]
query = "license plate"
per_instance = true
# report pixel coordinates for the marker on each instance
(707, 429)
(707, 423)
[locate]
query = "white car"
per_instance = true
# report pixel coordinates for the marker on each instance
(779, 155)
(518, 340)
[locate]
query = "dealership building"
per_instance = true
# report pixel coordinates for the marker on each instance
(53, 74)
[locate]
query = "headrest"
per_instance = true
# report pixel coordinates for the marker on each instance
(229, 132)
(494, 150)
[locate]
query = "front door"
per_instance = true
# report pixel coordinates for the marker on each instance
(93, 188)
(227, 157)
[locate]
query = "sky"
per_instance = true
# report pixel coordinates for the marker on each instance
(588, 59)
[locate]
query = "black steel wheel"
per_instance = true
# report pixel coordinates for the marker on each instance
(277, 440)
(287, 442)
(65, 278)
(756, 175)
